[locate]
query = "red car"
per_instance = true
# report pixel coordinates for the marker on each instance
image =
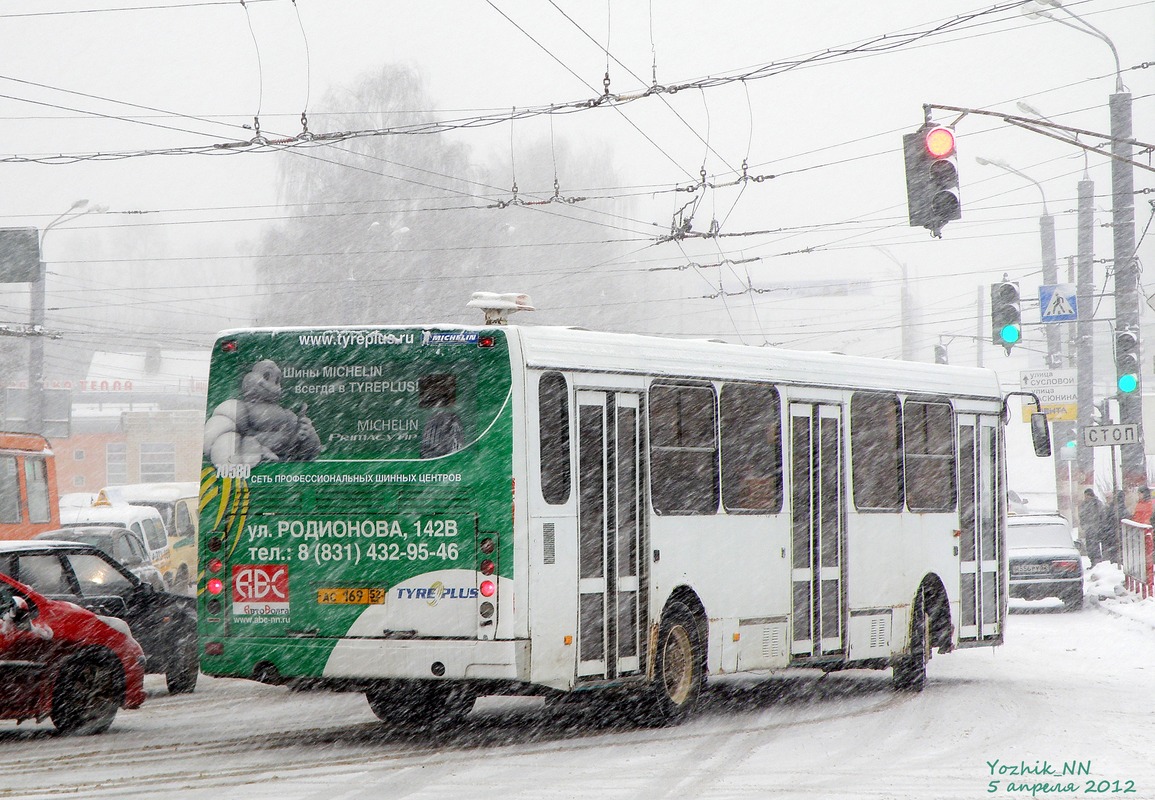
(58, 660)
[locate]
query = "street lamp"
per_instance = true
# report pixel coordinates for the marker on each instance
(1050, 259)
(1084, 293)
(907, 316)
(36, 303)
(1125, 266)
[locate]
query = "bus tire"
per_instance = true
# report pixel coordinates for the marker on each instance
(679, 667)
(910, 667)
(419, 704)
(87, 694)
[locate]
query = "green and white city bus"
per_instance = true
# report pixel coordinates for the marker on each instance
(432, 513)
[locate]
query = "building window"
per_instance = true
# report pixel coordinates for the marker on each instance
(683, 450)
(78, 480)
(115, 463)
(77, 455)
(157, 462)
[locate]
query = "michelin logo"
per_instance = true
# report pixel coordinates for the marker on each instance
(448, 337)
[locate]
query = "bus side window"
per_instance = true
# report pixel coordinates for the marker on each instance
(751, 427)
(683, 450)
(876, 451)
(928, 439)
(9, 490)
(553, 436)
(36, 479)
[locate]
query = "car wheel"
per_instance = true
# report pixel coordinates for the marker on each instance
(181, 677)
(1073, 601)
(910, 668)
(87, 694)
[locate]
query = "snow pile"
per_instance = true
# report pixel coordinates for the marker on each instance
(1104, 587)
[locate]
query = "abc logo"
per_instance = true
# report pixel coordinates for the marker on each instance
(255, 582)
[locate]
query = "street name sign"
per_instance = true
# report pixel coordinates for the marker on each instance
(1055, 389)
(1107, 435)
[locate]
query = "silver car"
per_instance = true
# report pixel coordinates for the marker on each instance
(121, 543)
(1044, 561)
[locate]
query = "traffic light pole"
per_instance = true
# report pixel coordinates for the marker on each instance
(1126, 275)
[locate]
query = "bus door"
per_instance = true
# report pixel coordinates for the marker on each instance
(818, 524)
(979, 516)
(610, 470)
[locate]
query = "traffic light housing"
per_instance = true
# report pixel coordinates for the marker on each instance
(940, 354)
(932, 186)
(1127, 360)
(1006, 314)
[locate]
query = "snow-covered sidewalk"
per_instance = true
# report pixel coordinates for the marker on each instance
(1104, 589)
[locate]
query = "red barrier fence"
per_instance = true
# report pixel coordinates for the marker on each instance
(1138, 544)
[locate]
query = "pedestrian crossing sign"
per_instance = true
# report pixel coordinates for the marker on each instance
(1057, 303)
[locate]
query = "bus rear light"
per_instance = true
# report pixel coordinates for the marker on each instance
(214, 648)
(487, 588)
(487, 546)
(487, 567)
(485, 341)
(229, 346)
(216, 565)
(215, 586)
(215, 544)
(485, 609)
(213, 607)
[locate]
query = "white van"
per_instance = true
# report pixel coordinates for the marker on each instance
(177, 502)
(145, 521)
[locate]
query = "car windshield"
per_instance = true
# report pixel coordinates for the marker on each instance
(1042, 534)
(97, 577)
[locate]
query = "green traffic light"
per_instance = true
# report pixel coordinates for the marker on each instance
(1128, 383)
(1010, 334)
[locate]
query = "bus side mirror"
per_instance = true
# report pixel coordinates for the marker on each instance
(1040, 434)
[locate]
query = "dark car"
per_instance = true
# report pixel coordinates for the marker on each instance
(121, 543)
(63, 662)
(163, 623)
(1044, 560)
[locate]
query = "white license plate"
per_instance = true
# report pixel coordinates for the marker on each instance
(1031, 569)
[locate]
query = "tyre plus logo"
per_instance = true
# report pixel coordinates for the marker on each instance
(261, 591)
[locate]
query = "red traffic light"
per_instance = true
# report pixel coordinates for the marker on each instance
(939, 142)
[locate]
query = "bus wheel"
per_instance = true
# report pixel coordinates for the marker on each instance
(678, 667)
(910, 668)
(416, 704)
(87, 694)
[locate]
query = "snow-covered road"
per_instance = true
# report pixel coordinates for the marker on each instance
(1065, 688)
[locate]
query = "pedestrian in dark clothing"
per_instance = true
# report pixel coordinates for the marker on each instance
(1094, 522)
(1112, 542)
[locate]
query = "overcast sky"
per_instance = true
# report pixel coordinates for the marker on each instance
(130, 76)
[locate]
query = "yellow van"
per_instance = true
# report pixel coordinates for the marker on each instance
(176, 502)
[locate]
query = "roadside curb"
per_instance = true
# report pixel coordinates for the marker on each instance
(1113, 606)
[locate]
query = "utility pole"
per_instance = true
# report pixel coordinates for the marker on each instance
(1126, 274)
(1084, 326)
